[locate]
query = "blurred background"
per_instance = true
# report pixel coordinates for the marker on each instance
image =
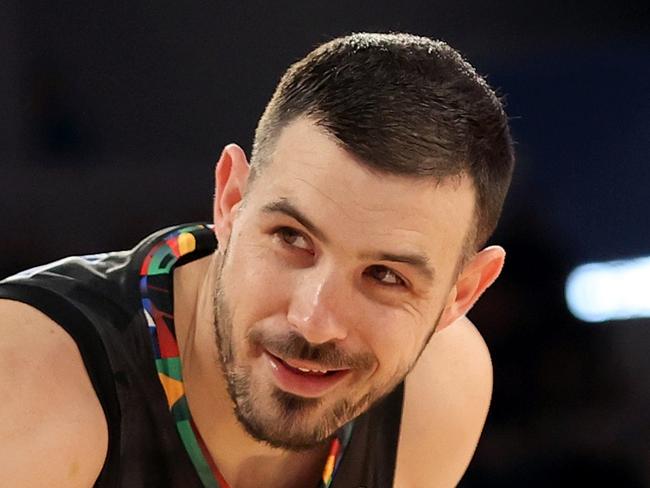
(113, 114)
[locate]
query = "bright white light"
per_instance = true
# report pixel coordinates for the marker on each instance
(612, 290)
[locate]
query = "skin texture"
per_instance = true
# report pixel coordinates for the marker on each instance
(446, 400)
(336, 284)
(52, 426)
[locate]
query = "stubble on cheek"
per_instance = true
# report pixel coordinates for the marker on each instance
(271, 415)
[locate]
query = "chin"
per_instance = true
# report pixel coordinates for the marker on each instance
(295, 423)
(296, 427)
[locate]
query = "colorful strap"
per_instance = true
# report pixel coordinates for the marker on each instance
(157, 302)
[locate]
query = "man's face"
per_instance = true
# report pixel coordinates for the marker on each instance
(332, 282)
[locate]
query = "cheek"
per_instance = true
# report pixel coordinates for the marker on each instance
(394, 338)
(256, 286)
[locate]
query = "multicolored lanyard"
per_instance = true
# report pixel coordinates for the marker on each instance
(156, 290)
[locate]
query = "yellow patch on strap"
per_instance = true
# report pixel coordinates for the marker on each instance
(186, 243)
(329, 468)
(173, 388)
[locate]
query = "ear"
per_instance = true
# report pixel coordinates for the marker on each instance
(477, 276)
(231, 176)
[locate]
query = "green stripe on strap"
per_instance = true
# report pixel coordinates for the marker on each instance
(194, 450)
(170, 367)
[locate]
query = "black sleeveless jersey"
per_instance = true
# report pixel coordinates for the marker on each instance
(96, 299)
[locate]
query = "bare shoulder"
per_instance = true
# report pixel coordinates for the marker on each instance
(446, 400)
(52, 426)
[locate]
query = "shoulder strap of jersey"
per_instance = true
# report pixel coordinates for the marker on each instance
(369, 461)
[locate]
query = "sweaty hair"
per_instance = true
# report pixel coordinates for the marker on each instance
(404, 105)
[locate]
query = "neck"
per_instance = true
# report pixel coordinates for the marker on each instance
(242, 460)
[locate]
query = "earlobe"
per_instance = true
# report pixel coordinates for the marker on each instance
(231, 177)
(476, 277)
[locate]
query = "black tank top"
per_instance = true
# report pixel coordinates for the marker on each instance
(97, 300)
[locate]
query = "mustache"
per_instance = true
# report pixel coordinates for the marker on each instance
(294, 346)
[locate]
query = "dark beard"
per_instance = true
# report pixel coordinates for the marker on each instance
(280, 432)
(288, 429)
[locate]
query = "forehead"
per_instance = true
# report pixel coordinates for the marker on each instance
(343, 196)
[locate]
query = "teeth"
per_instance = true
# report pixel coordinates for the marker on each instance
(305, 370)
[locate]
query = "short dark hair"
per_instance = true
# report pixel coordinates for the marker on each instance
(402, 104)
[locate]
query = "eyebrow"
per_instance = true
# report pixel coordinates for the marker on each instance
(420, 262)
(285, 207)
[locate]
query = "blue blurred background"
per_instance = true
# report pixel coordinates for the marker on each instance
(114, 113)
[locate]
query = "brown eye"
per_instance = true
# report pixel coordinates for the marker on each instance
(385, 276)
(293, 238)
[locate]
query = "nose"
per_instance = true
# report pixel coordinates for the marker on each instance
(316, 306)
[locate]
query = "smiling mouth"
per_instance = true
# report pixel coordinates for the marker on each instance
(307, 371)
(304, 378)
(307, 367)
